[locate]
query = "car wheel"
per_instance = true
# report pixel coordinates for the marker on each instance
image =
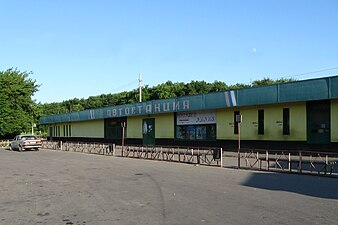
(20, 148)
(10, 148)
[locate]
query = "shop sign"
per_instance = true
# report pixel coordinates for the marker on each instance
(194, 118)
(170, 105)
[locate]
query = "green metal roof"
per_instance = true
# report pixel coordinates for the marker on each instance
(299, 91)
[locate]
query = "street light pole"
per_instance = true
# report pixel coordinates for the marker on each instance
(33, 125)
(239, 145)
(239, 120)
(140, 87)
(123, 125)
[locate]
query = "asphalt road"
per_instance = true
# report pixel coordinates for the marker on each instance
(54, 187)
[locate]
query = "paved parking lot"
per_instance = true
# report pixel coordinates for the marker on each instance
(54, 187)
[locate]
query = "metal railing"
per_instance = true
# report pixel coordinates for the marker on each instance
(320, 163)
(201, 156)
(4, 143)
(84, 147)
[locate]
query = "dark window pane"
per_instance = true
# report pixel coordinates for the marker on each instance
(286, 121)
(261, 121)
(211, 132)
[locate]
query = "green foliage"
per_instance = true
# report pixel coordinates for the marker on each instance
(17, 109)
(239, 86)
(269, 81)
(218, 86)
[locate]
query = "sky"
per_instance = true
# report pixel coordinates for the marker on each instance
(82, 48)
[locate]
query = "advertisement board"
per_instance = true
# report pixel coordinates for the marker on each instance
(195, 118)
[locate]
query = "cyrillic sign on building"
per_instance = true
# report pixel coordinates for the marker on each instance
(195, 118)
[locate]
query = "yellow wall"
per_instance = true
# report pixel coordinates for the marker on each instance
(164, 126)
(334, 120)
(134, 127)
(90, 128)
(273, 126)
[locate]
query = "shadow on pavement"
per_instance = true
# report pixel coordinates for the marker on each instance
(320, 187)
(27, 150)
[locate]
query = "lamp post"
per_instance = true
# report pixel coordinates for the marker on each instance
(33, 125)
(140, 87)
(239, 120)
(123, 125)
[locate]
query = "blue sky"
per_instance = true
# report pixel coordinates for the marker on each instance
(82, 48)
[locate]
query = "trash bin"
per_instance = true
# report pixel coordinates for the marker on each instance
(217, 154)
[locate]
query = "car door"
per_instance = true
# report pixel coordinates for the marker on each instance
(14, 143)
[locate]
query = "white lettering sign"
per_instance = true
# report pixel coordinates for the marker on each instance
(149, 108)
(193, 118)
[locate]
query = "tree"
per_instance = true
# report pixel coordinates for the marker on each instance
(17, 109)
(238, 86)
(218, 86)
(197, 87)
(269, 81)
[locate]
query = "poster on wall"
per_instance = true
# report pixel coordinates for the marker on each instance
(191, 133)
(201, 132)
(195, 118)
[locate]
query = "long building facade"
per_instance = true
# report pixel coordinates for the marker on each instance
(295, 115)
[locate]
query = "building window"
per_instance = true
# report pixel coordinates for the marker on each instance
(286, 121)
(70, 130)
(196, 132)
(65, 130)
(236, 113)
(261, 121)
(196, 125)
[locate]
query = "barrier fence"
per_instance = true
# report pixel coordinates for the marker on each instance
(4, 143)
(201, 156)
(319, 163)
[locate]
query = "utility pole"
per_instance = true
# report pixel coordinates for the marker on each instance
(123, 125)
(140, 87)
(239, 119)
(33, 125)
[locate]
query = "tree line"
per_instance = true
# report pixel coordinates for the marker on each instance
(18, 111)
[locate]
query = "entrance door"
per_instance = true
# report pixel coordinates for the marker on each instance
(51, 133)
(318, 122)
(148, 130)
(113, 129)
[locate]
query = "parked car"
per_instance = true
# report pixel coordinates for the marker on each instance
(25, 141)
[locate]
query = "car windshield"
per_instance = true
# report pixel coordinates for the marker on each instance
(28, 138)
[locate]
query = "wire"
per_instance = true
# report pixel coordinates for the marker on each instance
(306, 73)
(124, 86)
(317, 71)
